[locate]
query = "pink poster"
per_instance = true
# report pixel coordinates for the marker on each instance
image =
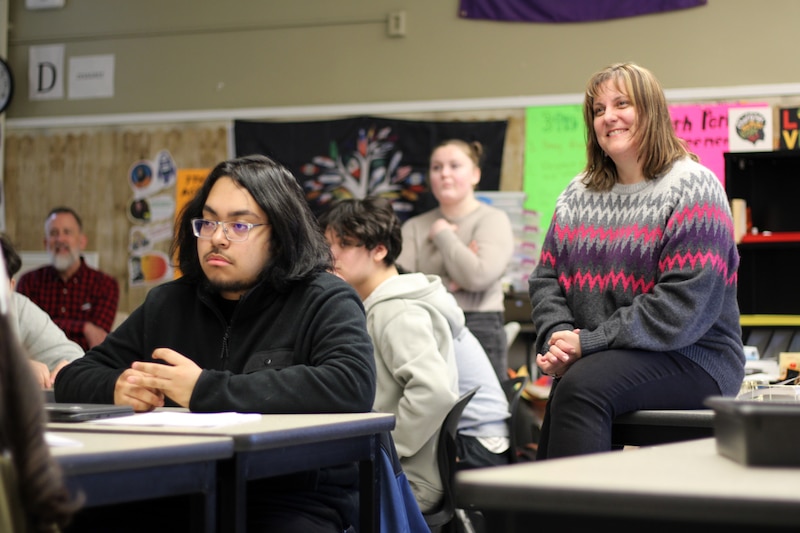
(704, 127)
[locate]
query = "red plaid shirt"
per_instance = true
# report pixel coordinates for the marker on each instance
(88, 296)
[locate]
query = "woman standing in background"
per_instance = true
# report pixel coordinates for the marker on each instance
(466, 242)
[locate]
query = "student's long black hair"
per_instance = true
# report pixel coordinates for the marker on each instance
(297, 246)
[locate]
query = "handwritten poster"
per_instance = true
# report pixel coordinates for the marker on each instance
(555, 152)
(705, 130)
(188, 182)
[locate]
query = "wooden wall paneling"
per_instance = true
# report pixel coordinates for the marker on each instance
(512, 172)
(87, 169)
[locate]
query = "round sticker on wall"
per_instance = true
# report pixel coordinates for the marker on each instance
(141, 175)
(143, 237)
(166, 171)
(152, 209)
(140, 210)
(139, 240)
(149, 177)
(149, 268)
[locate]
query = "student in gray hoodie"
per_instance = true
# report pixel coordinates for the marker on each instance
(420, 339)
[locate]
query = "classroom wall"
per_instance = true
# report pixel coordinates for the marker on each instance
(251, 58)
(207, 54)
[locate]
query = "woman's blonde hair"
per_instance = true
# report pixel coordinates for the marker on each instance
(658, 146)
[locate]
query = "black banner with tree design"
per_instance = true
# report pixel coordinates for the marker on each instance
(363, 156)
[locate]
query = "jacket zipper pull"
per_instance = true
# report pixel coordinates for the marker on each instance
(224, 355)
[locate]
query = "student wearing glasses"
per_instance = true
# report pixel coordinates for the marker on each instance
(257, 323)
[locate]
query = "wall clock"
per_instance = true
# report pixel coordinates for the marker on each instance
(6, 85)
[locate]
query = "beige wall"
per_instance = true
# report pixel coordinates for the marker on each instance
(181, 55)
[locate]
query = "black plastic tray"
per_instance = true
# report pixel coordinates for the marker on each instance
(757, 433)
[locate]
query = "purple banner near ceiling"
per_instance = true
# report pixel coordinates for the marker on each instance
(567, 10)
(362, 156)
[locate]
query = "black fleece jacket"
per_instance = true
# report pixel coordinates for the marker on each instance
(303, 351)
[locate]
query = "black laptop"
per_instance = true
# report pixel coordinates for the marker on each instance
(81, 412)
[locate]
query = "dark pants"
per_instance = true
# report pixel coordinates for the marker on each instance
(175, 516)
(292, 522)
(280, 513)
(488, 329)
(598, 388)
(472, 454)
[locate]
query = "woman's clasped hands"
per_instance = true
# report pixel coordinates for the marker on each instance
(564, 348)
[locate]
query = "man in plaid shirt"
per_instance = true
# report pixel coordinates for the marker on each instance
(81, 300)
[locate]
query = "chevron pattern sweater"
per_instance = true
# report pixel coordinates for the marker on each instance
(649, 266)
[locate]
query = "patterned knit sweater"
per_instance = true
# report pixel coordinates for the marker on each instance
(649, 266)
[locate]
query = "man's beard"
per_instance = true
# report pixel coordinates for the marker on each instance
(230, 286)
(62, 262)
(219, 287)
(240, 285)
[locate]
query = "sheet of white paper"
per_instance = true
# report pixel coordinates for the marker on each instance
(91, 77)
(57, 441)
(193, 420)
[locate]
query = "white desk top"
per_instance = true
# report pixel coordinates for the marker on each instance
(271, 431)
(101, 452)
(683, 481)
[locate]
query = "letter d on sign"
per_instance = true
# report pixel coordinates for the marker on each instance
(46, 72)
(47, 77)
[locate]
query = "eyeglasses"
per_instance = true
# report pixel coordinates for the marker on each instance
(234, 231)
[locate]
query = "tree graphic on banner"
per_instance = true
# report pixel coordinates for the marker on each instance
(372, 168)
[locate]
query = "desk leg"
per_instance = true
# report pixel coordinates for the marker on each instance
(235, 473)
(210, 509)
(369, 506)
(204, 511)
(232, 496)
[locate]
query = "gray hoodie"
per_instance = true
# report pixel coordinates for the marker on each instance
(410, 318)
